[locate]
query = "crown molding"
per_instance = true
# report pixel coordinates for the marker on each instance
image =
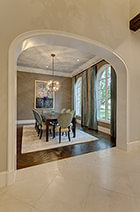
(87, 65)
(83, 67)
(41, 71)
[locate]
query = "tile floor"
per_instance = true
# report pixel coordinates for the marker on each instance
(103, 181)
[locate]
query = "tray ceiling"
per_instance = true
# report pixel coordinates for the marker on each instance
(67, 60)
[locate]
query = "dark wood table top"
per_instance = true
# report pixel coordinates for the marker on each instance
(49, 116)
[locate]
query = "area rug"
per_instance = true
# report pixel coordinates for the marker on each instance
(32, 143)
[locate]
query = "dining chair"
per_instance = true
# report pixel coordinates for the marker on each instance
(36, 122)
(64, 121)
(73, 113)
(63, 110)
(68, 110)
(41, 125)
(73, 116)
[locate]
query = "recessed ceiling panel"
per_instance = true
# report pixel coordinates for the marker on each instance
(66, 59)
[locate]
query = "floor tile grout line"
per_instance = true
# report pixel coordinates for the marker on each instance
(32, 203)
(118, 192)
(47, 187)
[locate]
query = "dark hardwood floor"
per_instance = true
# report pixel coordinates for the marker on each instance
(35, 158)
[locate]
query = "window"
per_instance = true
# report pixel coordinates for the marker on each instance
(78, 96)
(104, 94)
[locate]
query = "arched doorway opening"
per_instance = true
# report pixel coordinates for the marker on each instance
(36, 38)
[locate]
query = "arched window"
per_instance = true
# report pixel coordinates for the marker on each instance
(104, 94)
(78, 96)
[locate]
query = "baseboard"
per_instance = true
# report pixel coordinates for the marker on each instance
(7, 178)
(11, 177)
(104, 130)
(25, 121)
(133, 146)
(3, 179)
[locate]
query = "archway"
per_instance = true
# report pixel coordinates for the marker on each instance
(36, 38)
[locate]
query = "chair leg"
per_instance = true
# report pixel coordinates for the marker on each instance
(41, 132)
(53, 131)
(36, 126)
(37, 129)
(59, 134)
(69, 134)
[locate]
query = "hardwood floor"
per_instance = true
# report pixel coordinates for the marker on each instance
(35, 158)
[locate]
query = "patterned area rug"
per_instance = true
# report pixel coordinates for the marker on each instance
(32, 143)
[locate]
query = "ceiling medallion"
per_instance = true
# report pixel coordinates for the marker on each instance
(53, 85)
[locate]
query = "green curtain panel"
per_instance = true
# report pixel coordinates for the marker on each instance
(73, 93)
(93, 99)
(84, 106)
(113, 102)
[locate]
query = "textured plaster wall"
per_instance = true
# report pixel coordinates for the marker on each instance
(105, 21)
(26, 93)
(134, 8)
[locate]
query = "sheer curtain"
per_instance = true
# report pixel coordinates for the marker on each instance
(92, 124)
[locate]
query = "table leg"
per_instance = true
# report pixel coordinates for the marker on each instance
(47, 130)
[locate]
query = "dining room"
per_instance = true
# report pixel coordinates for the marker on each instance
(54, 120)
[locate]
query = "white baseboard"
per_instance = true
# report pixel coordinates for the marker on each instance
(3, 179)
(104, 130)
(133, 146)
(11, 177)
(25, 121)
(7, 178)
(101, 129)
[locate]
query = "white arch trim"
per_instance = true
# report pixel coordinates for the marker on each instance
(40, 37)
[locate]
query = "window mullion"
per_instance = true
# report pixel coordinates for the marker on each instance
(106, 96)
(99, 101)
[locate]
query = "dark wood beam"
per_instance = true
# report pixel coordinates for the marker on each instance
(135, 23)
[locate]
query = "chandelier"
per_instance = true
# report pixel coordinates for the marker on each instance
(53, 85)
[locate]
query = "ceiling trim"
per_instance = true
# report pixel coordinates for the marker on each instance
(83, 67)
(42, 71)
(87, 65)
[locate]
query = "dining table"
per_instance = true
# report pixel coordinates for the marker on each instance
(52, 118)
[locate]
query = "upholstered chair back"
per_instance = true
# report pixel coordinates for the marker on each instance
(63, 110)
(64, 120)
(68, 111)
(37, 116)
(73, 113)
(34, 114)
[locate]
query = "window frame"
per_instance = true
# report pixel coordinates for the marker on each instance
(99, 74)
(77, 81)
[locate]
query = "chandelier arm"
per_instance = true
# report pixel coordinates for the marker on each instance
(53, 85)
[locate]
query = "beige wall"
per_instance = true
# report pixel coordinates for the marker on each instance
(134, 8)
(26, 91)
(105, 21)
